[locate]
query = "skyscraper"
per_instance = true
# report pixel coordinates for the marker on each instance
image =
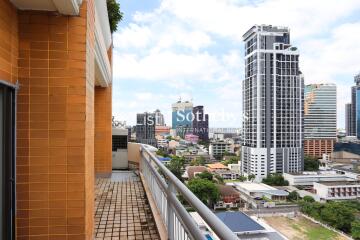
(356, 105)
(159, 118)
(348, 120)
(200, 123)
(182, 114)
(273, 99)
(145, 128)
(319, 119)
(352, 116)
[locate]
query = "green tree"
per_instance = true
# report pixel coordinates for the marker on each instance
(218, 179)
(205, 175)
(114, 13)
(355, 229)
(338, 215)
(231, 160)
(293, 196)
(226, 153)
(199, 161)
(251, 177)
(309, 199)
(205, 190)
(176, 166)
(242, 178)
(275, 179)
(311, 163)
(162, 153)
(312, 209)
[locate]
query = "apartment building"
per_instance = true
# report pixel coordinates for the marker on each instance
(200, 123)
(182, 113)
(272, 103)
(337, 190)
(218, 148)
(145, 128)
(320, 125)
(55, 115)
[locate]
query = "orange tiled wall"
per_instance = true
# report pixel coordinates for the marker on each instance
(103, 137)
(8, 42)
(55, 150)
(318, 147)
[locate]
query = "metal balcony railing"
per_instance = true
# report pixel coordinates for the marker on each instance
(178, 222)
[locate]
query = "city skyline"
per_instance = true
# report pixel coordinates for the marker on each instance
(154, 55)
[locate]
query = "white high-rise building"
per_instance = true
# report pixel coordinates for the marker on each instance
(273, 103)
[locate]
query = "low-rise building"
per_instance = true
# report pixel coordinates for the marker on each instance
(162, 142)
(173, 144)
(216, 167)
(260, 191)
(217, 149)
(192, 171)
(162, 130)
(192, 138)
(309, 178)
(223, 171)
(229, 197)
(244, 226)
(189, 157)
(235, 167)
(342, 190)
(227, 174)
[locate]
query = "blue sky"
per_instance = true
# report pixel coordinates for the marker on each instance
(167, 49)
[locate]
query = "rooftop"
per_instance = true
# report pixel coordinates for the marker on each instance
(239, 222)
(339, 183)
(216, 166)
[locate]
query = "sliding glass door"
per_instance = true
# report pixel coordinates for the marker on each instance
(7, 162)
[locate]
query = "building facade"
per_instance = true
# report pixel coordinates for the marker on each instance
(55, 101)
(200, 123)
(159, 118)
(182, 114)
(320, 119)
(356, 105)
(145, 128)
(352, 117)
(337, 190)
(349, 131)
(273, 92)
(217, 149)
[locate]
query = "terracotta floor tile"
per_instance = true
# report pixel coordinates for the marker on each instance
(122, 210)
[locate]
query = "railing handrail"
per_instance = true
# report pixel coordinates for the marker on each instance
(220, 229)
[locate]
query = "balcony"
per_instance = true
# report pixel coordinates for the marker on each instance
(141, 204)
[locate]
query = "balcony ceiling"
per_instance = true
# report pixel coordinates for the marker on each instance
(66, 7)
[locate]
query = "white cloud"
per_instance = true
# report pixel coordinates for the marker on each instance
(132, 35)
(232, 19)
(183, 43)
(167, 66)
(326, 58)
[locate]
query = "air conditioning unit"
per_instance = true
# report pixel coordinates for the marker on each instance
(120, 159)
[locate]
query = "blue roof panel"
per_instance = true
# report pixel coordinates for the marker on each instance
(239, 222)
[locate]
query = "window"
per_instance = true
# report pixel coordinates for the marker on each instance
(7, 162)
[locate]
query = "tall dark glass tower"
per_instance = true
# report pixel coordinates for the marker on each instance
(200, 123)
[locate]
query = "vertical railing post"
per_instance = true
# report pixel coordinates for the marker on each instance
(170, 211)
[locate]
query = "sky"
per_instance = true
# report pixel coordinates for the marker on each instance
(165, 50)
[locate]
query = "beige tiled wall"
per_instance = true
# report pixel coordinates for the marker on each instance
(103, 137)
(55, 163)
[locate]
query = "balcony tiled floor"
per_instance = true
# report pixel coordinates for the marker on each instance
(122, 210)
